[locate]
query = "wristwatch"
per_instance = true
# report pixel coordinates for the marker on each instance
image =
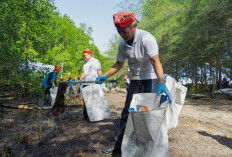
(162, 78)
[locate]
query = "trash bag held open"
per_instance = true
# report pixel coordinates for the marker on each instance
(148, 122)
(95, 102)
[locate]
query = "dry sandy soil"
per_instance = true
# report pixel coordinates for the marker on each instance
(205, 129)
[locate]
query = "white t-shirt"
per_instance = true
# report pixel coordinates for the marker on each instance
(143, 48)
(90, 69)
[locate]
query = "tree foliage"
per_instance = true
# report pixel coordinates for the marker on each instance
(194, 36)
(111, 54)
(33, 30)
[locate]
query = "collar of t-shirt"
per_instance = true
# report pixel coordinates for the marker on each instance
(91, 59)
(130, 42)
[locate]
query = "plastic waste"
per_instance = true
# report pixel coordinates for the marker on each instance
(163, 98)
(138, 107)
(131, 109)
(146, 133)
(143, 108)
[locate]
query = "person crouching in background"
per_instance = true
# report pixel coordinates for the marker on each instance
(47, 83)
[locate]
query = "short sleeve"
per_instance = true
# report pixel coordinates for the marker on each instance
(84, 66)
(120, 57)
(150, 45)
(98, 65)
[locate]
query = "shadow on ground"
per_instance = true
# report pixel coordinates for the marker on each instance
(221, 139)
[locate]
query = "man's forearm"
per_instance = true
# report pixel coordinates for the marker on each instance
(157, 67)
(82, 76)
(114, 69)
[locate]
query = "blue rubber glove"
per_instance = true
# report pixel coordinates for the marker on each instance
(101, 78)
(162, 88)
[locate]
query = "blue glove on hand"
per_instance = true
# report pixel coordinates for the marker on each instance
(162, 88)
(101, 78)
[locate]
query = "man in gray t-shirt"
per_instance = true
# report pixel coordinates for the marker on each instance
(141, 50)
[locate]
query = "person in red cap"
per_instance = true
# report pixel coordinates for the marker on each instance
(47, 83)
(141, 50)
(91, 69)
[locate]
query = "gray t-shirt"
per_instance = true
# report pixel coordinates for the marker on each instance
(143, 48)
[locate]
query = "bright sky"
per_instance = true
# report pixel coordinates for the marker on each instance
(97, 14)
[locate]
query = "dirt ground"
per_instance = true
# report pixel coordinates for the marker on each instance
(204, 129)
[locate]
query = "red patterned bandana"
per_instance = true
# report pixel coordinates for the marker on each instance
(87, 51)
(123, 19)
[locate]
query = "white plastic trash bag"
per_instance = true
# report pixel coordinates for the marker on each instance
(95, 102)
(146, 131)
(178, 93)
(151, 100)
(53, 93)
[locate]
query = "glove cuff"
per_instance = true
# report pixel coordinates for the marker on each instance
(104, 76)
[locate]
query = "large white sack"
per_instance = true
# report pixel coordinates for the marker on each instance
(95, 102)
(53, 93)
(178, 93)
(152, 101)
(146, 131)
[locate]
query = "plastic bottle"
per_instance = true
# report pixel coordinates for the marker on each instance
(163, 98)
(138, 107)
(131, 109)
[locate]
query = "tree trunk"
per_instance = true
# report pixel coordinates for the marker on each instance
(211, 82)
(220, 77)
(59, 102)
(26, 88)
(25, 42)
(210, 61)
(205, 78)
(201, 86)
(176, 72)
